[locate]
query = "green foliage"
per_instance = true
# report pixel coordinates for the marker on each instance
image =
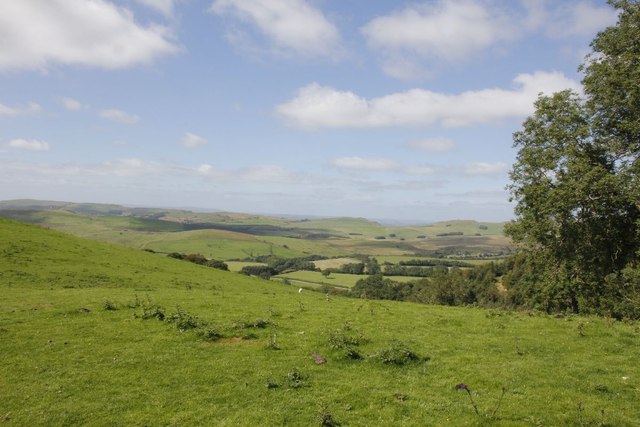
(209, 334)
(295, 378)
(376, 287)
(397, 353)
(576, 180)
(109, 305)
(150, 310)
(346, 342)
(184, 321)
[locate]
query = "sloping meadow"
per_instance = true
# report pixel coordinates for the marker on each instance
(92, 334)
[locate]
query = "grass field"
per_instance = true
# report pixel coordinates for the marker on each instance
(73, 352)
(335, 279)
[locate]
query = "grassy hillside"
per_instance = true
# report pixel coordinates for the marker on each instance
(76, 350)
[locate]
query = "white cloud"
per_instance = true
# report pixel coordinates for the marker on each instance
(39, 33)
(360, 163)
(433, 144)
(191, 140)
(119, 116)
(317, 106)
(28, 144)
(163, 6)
(444, 30)
(29, 109)
(292, 26)
(447, 30)
(73, 104)
(579, 19)
(482, 168)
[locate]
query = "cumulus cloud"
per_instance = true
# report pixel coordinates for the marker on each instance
(316, 106)
(28, 144)
(119, 116)
(482, 168)
(39, 33)
(291, 26)
(29, 109)
(191, 140)
(433, 144)
(367, 164)
(444, 30)
(73, 104)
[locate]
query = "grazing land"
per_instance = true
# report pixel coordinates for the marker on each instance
(95, 334)
(233, 236)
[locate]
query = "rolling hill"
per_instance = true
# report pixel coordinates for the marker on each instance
(95, 334)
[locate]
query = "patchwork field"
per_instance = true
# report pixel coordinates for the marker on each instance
(232, 236)
(83, 343)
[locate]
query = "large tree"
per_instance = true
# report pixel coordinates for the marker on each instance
(576, 181)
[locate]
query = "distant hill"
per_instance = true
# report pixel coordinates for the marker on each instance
(230, 236)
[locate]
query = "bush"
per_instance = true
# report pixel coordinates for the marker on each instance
(210, 334)
(220, 265)
(149, 310)
(184, 321)
(346, 341)
(397, 354)
(109, 305)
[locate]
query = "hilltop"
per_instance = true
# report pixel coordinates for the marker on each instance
(83, 344)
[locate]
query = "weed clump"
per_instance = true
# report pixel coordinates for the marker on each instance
(109, 305)
(295, 379)
(209, 334)
(325, 418)
(184, 321)
(491, 413)
(273, 342)
(149, 310)
(397, 354)
(346, 341)
(249, 324)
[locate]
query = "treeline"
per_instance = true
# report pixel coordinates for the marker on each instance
(200, 260)
(276, 265)
(454, 286)
(514, 283)
(435, 262)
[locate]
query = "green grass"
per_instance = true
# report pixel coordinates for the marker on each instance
(64, 366)
(335, 279)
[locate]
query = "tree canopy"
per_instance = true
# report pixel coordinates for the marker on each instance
(576, 182)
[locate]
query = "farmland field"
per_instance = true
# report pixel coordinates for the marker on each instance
(83, 344)
(234, 236)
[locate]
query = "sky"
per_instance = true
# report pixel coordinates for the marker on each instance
(380, 109)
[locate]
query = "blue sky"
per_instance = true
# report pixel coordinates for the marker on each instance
(377, 109)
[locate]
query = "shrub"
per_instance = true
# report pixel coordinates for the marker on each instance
(210, 334)
(109, 305)
(220, 265)
(184, 321)
(247, 324)
(346, 341)
(397, 354)
(149, 310)
(295, 379)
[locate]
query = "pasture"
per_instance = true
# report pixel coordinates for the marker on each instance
(83, 344)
